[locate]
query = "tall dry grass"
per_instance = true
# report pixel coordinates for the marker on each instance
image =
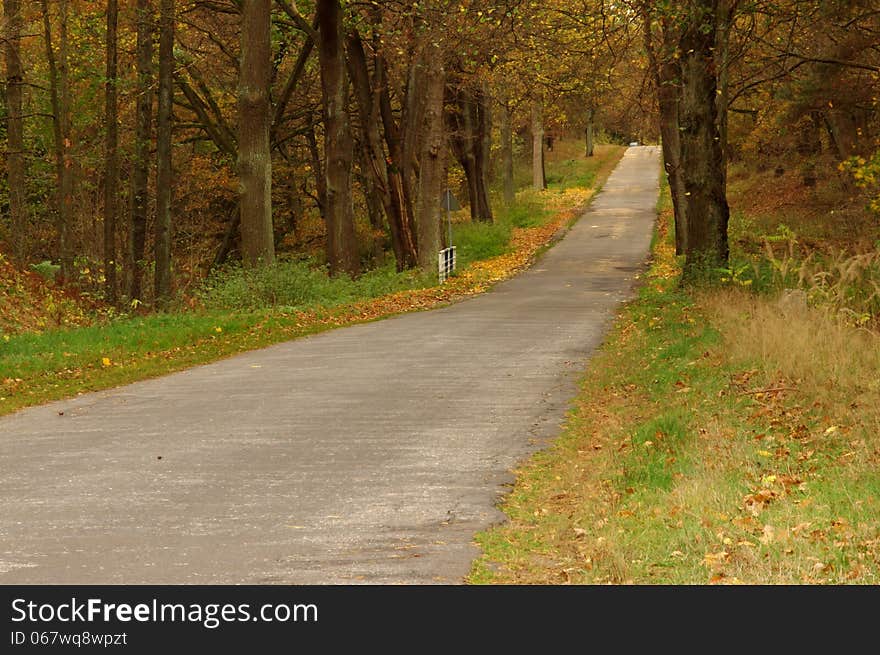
(846, 282)
(814, 349)
(799, 341)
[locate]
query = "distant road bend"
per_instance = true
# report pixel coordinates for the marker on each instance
(367, 454)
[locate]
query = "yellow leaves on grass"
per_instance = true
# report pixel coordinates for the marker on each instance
(476, 278)
(105, 362)
(716, 560)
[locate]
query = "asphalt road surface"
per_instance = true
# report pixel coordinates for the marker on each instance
(367, 454)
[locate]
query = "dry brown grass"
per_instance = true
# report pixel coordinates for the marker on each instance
(821, 352)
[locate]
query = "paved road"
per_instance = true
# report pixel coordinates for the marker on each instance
(368, 454)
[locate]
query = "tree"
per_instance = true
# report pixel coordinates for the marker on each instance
(431, 160)
(254, 119)
(59, 88)
(470, 133)
(141, 161)
(507, 154)
(589, 146)
(111, 153)
(164, 180)
(386, 177)
(702, 163)
(16, 162)
(342, 255)
(663, 62)
(539, 178)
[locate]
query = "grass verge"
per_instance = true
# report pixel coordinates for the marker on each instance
(245, 312)
(720, 436)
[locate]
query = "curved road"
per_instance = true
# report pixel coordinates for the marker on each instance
(368, 454)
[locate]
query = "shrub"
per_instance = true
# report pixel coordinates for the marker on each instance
(299, 284)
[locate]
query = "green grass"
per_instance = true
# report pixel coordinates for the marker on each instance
(656, 454)
(570, 173)
(61, 363)
(301, 285)
(476, 241)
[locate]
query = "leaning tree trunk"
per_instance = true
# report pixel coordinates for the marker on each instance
(15, 160)
(431, 163)
(384, 175)
(111, 156)
(702, 162)
(342, 253)
(141, 163)
(397, 185)
(539, 179)
(254, 117)
(162, 239)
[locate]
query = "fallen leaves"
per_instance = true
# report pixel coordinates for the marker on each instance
(716, 560)
(755, 503)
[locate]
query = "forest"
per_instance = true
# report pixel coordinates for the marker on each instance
(150, 142)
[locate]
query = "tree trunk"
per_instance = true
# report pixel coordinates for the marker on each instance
(60, 98)
(65, 218)
(482, 150)
(342, 254)
(254, 157)
(16, 164)
(382, 174)
(722, 51)
(485, 123)
(588, 134)
(431, 162)
(539, 179)
(317, 167)
(468, 121)
(702, 162)
(397, 184)
(372, 196)
(411, 120)
(843, 132)
(162, 239)
(141, 162)
(507, 155)
(667, 80)
(111, 156)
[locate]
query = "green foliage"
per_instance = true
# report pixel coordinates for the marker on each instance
(46, 269)
(866, 173)
(298, 285)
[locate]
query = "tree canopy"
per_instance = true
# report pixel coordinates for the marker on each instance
(154, 140)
